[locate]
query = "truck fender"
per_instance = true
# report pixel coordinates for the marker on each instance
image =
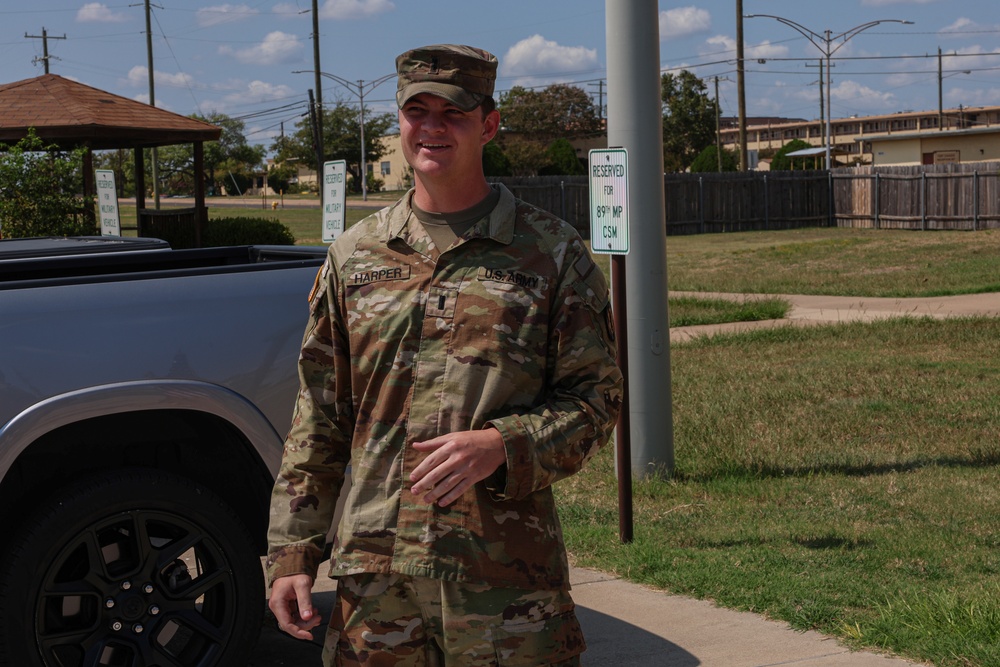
(64, 409)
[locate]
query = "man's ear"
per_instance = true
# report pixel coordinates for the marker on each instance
(491, 125)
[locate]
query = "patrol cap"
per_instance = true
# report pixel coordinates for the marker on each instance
(463, 75)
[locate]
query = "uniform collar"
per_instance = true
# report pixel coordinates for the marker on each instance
(497, 226)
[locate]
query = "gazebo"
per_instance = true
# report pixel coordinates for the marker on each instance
(71, 114)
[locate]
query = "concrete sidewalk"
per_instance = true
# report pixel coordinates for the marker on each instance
(628, 625)
(808, 309)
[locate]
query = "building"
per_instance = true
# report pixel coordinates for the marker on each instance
(974, 132)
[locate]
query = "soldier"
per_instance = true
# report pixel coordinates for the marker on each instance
(459, 356)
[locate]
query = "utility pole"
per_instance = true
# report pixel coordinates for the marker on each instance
(319, 93)
(718, 127)
(940, 94)
(600, 98)
(152, 102)
(45, 47)
(741, 90)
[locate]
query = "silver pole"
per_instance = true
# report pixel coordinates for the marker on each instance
(635, 123)
(829, 94)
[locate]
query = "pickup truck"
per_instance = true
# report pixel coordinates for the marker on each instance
(144, 396)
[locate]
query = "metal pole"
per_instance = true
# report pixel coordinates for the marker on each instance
(318, 84)
(364, 165)
(622, 432)
(634, 122)
(741, 91)
(940, 94)
(829, 93)
(718, 128)
(152, 102)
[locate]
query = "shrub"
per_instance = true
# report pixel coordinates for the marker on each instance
(38, 190)
(246, 231)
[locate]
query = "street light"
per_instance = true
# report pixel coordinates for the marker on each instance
(360, 88)
(825, 43)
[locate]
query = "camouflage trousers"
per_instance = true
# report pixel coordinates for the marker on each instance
(392, 620)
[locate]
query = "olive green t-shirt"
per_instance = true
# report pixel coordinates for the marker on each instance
(444, 228)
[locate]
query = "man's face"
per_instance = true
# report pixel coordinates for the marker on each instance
(440, 141)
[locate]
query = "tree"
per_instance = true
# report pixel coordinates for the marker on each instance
(688, 119)
(781, 161)
(495, 161)
(526, 156)
(232, 155)
(562, 160)
(341, 139)
(560, 111)
(39, 186)
(532, 119)
(708, 161)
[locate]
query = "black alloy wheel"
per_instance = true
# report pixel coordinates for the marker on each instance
(131, 569)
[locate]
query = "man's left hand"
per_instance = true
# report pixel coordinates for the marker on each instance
(455, 463)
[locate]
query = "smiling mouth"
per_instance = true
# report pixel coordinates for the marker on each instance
(430, 146)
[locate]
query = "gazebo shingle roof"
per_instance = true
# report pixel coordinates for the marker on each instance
(72, 114)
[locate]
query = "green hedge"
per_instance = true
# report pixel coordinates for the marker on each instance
(246, 231)
(221, 232)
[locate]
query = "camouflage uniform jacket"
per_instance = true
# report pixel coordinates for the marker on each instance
(509, 328)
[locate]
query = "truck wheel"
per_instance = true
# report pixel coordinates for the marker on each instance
(130, 568)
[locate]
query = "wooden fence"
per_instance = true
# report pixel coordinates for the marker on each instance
(957, 196)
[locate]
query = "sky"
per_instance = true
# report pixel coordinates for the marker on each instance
(240, 57)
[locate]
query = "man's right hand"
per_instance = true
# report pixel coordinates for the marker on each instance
(291, 604)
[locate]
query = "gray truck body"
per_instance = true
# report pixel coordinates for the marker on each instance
(128, 356)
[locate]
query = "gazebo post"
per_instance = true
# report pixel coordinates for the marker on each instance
(140, 188)
(201, 211)
(88, 188)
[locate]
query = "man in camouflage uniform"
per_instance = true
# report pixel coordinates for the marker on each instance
(459, 357)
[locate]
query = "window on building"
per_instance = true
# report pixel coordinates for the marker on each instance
(386, 168)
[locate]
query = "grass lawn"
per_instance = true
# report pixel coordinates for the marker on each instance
(841, 478)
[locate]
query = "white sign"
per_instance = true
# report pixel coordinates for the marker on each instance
(334, 199)
(609, 201)
(107, 203)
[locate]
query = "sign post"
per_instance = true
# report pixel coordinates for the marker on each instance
(334, 199)
(609, 235)
(107, 203)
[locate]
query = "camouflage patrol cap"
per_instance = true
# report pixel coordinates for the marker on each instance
(463, 75)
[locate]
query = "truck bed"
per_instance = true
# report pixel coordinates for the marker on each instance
(51, 263)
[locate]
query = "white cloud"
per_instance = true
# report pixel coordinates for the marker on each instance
(287, 10)
(261, 91)
(97, 12)
(354, 9)
(239, 93)
(684, 21)
(536, 56)
(209, 16)
(139, 76)
(277, 47)
(971, 57)
(762, 50)
(855, 95)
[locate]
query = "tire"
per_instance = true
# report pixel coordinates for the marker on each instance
(131, 569)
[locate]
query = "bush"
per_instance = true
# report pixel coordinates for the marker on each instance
(708, 161)
(246, 231)
(38, 190)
